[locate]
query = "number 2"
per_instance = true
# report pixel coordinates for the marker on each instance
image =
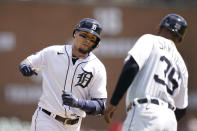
(172, 72)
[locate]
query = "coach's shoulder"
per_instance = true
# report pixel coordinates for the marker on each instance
(147, 36)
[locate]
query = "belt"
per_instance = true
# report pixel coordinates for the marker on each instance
(65, 121)
(145, 100)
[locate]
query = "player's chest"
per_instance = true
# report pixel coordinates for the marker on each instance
(80, 74)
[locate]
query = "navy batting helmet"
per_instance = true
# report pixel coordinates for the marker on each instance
(91, 26)
(175, 23)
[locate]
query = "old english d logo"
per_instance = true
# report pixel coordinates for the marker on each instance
(84, 78)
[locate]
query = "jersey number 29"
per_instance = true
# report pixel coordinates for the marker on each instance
(170, 77)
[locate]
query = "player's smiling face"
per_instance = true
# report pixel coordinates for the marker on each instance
(83, 42)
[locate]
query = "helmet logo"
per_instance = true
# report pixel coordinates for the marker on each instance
(177, 26)
(93, 27)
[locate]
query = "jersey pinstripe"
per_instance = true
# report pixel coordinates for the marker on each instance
(162, 71)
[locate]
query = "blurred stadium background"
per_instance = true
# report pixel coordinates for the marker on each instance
(27, 26)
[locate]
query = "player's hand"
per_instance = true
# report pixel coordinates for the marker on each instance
(69, 100)
(108, 113)
(26, 70)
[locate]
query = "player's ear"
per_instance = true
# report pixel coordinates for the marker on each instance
(74, 33)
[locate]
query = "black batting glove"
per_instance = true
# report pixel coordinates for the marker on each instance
(26, 70)
(70, 100)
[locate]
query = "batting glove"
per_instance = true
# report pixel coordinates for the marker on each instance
(26, 70)
(70, 100)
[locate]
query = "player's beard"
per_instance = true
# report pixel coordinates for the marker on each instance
(85, 51)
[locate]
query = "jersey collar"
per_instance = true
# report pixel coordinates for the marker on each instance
(68, 49)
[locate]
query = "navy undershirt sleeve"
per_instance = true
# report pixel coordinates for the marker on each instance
(126, 77)
(179, 113)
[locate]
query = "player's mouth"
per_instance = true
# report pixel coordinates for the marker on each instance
(85, 45)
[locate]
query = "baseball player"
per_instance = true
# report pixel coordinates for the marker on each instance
(156, 78)
(73, 80)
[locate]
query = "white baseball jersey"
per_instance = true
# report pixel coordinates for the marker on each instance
(85, 79)
(162, 72)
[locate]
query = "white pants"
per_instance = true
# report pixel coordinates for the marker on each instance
(43, 122)
(150, 117)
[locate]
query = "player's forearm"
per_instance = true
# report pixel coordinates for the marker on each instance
(93, 106)
(127, 75)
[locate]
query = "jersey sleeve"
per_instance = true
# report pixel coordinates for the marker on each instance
(38, 60)
(98, 88)
(181, 100)
(141, 50)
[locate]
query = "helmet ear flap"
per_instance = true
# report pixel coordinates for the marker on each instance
(96, 43)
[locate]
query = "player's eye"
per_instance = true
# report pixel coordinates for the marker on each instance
(82, 35)
(93, 41)
(87, 37)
